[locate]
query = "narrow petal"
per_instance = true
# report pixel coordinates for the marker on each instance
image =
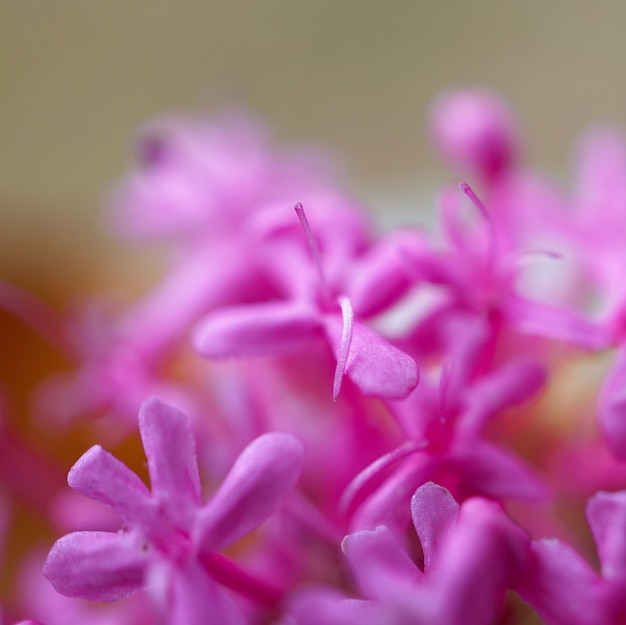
(380, 277)
(261, 477)
(100, 476)
(561, 586)
(171, 452)
(558, 324)
(485, 554)
(606, 513)
(375, 553)
(347, 316)
(378, 368)
(99, 566)
(612, 407)
(489, 470)
(434, 513)
(267, 329)
(508, 386)
(325, 606)
(390, 504)
(186, 595)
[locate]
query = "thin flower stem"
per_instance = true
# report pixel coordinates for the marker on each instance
(227, 573)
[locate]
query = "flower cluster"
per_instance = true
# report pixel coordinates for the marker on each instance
(340, 427)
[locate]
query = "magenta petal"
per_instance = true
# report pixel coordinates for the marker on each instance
(325, 606)
(612, 408)
(434, 512)
(186, 595)
(99, 566)
(375, 553)
(380, 276)
(606, 513)
(100, 476)
(508, 386)
(390, 504)
(561, 586)
(558, 324)
(495, 472)
(378, 368)
(171, 452)
(484, 554)
(267, 329)
(261, 477)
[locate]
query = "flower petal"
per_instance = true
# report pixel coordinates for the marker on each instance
(377, 367)
(186, 595)
(375, 553)
(492, 471)
(171, 453)
(612, 407)
(261, 477)
(561, 586)
(266, 329)
(100, 476)
(607, 518)
(99, 566)
(434, 513)
(484, 554)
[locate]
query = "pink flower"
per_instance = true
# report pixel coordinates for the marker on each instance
(472, 554)
(320, 308)
(443, 424)
(564, 589)
(169, 538)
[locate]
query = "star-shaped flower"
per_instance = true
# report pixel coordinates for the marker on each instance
(170, 539)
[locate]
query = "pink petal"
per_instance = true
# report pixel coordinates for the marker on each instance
(100, 476)
(390, 504)
(612, 407)
(375, 553)
(492, 471)
(171, 452)
(606, 513)
(186, 595)
(434, 513)
(508, 386)
(378, 368)
(558, 324)
(380, 276)
(99, 566)
(561, 586)
(484, 555)
(267, 329)
(325, 606)
(261, 477)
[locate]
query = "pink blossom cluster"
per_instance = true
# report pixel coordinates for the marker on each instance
(339, 427)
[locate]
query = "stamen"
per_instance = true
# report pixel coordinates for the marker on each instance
(315, 250)
(346, 340)
(475, 201)
(491, 244)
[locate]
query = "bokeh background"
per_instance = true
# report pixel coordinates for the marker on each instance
(77, 78)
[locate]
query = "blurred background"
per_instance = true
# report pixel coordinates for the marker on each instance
(77, 79)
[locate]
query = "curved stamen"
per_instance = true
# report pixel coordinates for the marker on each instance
(347, 316)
